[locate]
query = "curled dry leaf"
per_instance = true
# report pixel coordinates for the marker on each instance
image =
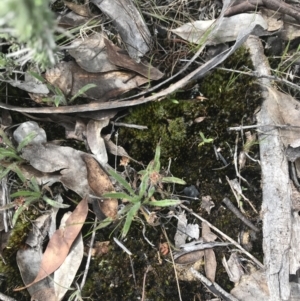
(207, 203)
(95, 141)
(164, 249)
(100, 183)
(81, 10)
(117, 56)
(61, 242)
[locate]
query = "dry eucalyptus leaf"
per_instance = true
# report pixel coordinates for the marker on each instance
(100, 183)
(228, 30)
(190, 257)
(91, 55)
(70, 78)
(129, 24)
(209, 255)
(95, 141)
(65, 274)
(117, 56)
(61, 242)
(49, 158)
(29, 259)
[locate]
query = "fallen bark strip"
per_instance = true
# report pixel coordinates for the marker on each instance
(96, 106)
(276, 206)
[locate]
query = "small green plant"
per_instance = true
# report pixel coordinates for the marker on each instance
(150, 186)
(58, 97)
(205, 140)
(10, 161)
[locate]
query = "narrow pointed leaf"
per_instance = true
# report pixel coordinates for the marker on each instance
(26, 140)
(54, 203)
(173, 180)
(130, 215)
(163, 203)
(121, 180)
(117, 195)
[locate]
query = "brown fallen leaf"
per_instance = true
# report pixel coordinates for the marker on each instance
(209, 254)
(60, 243)
(118, 57)
(100, 183)
(70, 78)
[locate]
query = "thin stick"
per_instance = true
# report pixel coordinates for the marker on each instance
(175, 272)
(255, 126)
(144, 282)
(225, 236)
(89, 256)
(209, 284)
(239, 214)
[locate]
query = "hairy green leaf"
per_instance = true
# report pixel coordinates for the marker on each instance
(173, 180)
(54, 203)
(121, 180)
(130, 215)
(82, 91)
(26, 140)
(163, 203)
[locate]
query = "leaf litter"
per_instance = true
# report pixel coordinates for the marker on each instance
(114, 72)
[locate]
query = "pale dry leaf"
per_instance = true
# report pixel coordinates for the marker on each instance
(207, 203)
(95, 141)
(91, 55)
(199, 119)
(70, 78)
(228, 30)
(117, 56)
(65, 274)
(180, 235)
(61, 242)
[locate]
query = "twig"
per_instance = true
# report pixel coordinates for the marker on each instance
(225, 236)
(144, 282)
(239, 214)
(175, 272)
(210, 285)
(236, 188)
(246, 127)
(89, 256)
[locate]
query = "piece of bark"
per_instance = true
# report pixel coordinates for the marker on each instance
(276, 206)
